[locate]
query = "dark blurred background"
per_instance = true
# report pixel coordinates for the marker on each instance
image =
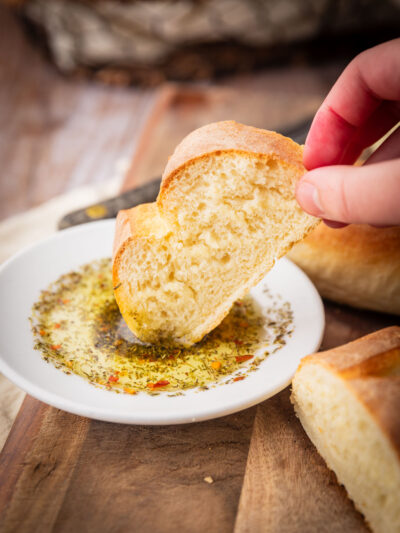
(148, 42)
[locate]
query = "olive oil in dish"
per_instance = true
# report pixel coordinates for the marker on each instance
(77, 327)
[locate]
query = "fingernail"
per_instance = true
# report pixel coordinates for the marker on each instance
(308, 197)
(333, 224)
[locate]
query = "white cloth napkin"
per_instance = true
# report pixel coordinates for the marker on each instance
(31, 226)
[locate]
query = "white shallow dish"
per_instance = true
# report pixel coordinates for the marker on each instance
(27, 273)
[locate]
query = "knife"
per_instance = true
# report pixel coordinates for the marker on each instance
(148, 192)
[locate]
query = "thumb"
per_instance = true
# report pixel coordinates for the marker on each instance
(360, 195)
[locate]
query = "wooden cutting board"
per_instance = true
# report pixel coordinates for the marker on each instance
(64, 473)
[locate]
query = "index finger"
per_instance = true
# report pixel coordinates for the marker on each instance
(358, 110)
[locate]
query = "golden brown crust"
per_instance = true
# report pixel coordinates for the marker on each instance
(230, 135)
(357, 265)
(370, 367)
(358, 243)
(355, 355)
(142, 221)
(122, 231)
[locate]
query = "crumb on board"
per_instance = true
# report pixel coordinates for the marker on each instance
(208, 479)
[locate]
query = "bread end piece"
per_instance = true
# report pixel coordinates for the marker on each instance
(370, 258)
(348, 401)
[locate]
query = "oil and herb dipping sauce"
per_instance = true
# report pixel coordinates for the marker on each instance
(77, 327)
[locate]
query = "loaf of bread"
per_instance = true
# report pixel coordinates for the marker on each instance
(355, 265)
(226, 210)
(348, 401)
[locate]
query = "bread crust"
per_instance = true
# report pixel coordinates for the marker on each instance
(230, 135)
(141, 221)
(370, 368)
(357, 265)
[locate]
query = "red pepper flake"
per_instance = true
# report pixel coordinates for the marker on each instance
(42, 332)
(129, 390)
(57, 326)
(238, 342)
(241, 358)
(113, 379)
(239, 378)
(160, 383)
(55, 346)
(65, 301)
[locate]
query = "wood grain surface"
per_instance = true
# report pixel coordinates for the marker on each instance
(64, 473)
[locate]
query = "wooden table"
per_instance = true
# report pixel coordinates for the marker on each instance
(64, 473)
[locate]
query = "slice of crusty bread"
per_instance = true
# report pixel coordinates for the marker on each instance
(225, 211)
(357, 265)
(348, 401)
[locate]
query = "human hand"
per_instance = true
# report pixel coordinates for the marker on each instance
(361, 107)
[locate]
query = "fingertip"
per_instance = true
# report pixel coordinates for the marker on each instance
(353, 194)
(308, 197)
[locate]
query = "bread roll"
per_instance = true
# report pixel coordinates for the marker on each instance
(356, 265)
(348, 401)
(225, 211)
